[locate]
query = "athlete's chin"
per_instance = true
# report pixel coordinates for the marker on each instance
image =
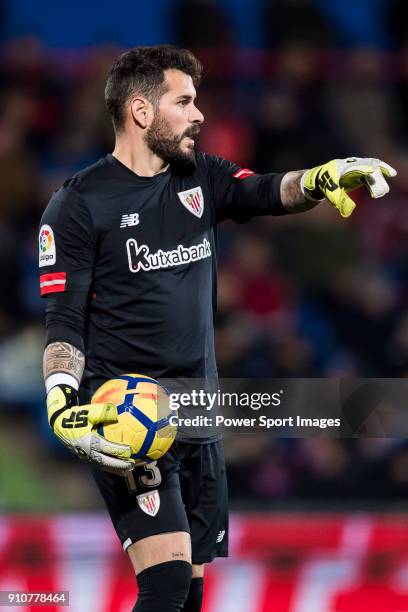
(188, 147)
(187, 153)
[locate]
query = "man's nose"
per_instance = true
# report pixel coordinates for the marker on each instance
(197, 116)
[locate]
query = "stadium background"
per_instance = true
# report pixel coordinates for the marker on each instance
(318, 524)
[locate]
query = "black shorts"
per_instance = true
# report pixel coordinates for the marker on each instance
(186, 490)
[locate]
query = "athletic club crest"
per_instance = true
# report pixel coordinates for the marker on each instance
(149, 502)
(193, 200)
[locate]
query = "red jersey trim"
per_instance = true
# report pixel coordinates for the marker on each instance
(243, 173)
(52, 283)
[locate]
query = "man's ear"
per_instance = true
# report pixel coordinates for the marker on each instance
(141, 111)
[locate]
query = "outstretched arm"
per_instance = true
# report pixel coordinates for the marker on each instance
(291, 193)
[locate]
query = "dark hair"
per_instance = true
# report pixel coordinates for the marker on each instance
(141, 71)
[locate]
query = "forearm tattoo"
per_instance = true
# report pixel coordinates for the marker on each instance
(292, 197)
(63, 357)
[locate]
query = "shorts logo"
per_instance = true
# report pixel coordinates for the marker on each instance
(47, 255)
(220, 536)
(140, 258)
(149, 502)
(193, 200)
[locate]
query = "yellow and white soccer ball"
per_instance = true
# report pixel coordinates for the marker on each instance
(144, 413)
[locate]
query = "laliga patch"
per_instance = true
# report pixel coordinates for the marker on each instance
(193, 200)
(149, 502)
(47, 254)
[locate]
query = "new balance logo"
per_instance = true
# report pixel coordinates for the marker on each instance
(220, 536)
(326, 183)
(75, 420)
(130, 220)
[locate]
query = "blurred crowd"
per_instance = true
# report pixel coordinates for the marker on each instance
(309, 295)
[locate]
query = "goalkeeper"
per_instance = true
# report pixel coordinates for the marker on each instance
(332, 181)
(121, 299)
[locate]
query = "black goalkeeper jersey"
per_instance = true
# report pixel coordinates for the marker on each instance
(133, 259)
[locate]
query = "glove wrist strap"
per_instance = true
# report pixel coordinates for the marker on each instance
(61, 378)
(60, 398)
(314, 196)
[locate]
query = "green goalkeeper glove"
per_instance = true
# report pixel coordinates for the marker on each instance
(74, 426)
(339, 176)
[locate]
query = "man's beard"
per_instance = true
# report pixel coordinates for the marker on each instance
(163, 143)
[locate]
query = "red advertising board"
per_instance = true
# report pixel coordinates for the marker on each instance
(279, 563)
